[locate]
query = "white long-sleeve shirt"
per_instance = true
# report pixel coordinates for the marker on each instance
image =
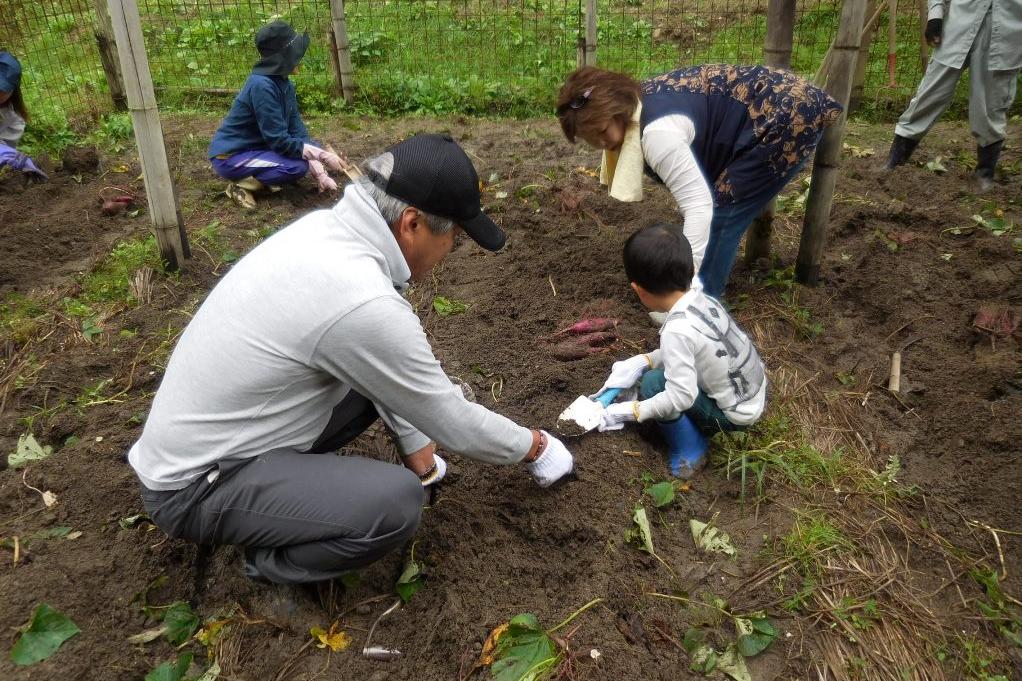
(702, 348)
(12, 126)
(667, 148)
(311, 313)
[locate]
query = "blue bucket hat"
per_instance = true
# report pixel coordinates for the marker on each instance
(10, 72)
(280, 48)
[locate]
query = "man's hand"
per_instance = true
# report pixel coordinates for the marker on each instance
(624, 374)
(553, 462)
(934, 32)
(426, 464)
(616, 416)
(325, 182)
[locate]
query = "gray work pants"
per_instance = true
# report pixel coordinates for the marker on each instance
(991, 94)
(301, 517)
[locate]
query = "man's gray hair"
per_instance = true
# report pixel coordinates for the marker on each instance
(380, 167)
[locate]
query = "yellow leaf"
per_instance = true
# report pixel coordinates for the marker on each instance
(122, 168)
(210, 634)
(333, 639)
(490, 646)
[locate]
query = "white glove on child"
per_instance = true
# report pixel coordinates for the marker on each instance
(553, 463)
(616, 416)
(325, 182)
(624, 374)
(437, 474)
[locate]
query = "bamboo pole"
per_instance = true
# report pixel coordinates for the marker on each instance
(345, 72)
(138, 84)
(868, 32)
(828, 153)
(924, 49)
(104, 34)
(591, 32)
(776, 52)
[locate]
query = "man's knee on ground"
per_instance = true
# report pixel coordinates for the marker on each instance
(404, 510)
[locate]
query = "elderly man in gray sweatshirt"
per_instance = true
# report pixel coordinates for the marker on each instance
(298, 349)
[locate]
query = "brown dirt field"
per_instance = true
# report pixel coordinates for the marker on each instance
(495, 544)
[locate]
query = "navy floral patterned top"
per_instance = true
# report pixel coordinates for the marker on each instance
(753, 123)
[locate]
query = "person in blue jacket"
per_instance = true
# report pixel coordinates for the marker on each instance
(724, 139)
(13, 117)
(263, 143)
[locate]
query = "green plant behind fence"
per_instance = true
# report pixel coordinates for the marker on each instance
(504, 57)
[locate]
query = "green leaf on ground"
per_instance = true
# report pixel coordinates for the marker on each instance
(47, 631)
(755, 634)
(733, 664)
(662, 493)
(446, 306)
(710, 539)
(641, 535)
(171, 671)
(525, 652)
(936, 165)
(703, 659)
(411, 580)
(181, 622)
(28, 451)
(132, 521)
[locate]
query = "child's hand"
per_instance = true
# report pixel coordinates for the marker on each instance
(616, 416)
(625, 374)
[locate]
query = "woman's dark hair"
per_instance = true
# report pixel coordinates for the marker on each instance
(18, 102)
(659, 259)
(590, 98)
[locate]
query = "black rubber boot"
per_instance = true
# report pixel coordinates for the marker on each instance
(901, 150)
(986, 163)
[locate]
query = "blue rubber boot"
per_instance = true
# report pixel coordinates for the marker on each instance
(686, 446)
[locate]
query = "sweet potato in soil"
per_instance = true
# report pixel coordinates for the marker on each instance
(495, 544)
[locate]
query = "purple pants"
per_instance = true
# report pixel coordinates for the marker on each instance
(268, 167)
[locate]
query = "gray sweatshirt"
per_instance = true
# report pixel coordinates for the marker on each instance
(311, 313)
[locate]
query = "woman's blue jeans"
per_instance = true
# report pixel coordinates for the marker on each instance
(729, 225)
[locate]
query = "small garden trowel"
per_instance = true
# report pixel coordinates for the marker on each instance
(584, 414)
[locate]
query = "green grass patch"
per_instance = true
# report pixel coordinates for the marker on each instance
(812, 538)
(110, 281)
(22, 317)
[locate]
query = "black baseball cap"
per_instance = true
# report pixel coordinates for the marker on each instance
(433, 173)
(280, 47)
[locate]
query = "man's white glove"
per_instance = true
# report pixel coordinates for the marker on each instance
(616, 416)
(554, 462)
(329, 158)
(437, 473)
(624, 374)
(325, 182)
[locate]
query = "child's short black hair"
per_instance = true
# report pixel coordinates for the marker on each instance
(659, 258)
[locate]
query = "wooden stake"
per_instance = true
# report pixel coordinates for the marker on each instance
(343, 50)
(108, 56)
(152, 153)
(894, 382)
(828, 153)
(868, 31)
(924, 49)
(591, 31)
(776, 52)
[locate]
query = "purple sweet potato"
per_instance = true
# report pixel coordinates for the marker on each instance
(586, 326)
(569, 351)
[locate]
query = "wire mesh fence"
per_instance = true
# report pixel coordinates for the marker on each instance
(428, 56)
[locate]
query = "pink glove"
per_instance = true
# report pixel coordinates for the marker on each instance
(325, 182)
(328, 158)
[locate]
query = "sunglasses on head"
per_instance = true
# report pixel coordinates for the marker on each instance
(576, 103)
